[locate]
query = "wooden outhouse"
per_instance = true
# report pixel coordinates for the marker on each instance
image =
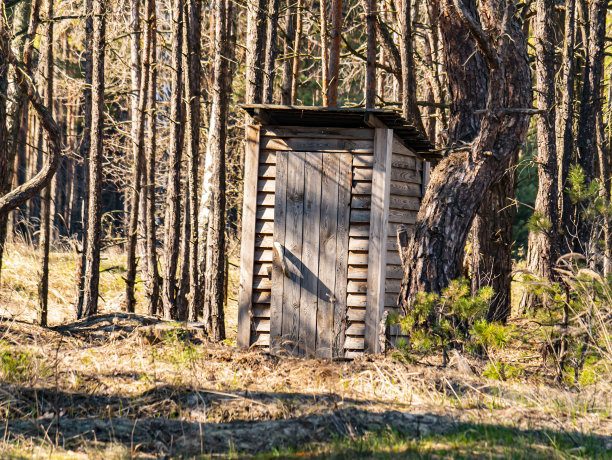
(324, 192)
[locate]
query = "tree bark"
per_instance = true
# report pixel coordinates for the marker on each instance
(590, 110)
(461, 180)
(215, 246)
(44, 244)
(94, 224)
(324, 51)
(256, 44)
(565, 131)
(84, 153)
(288, 53)
(271, 50)
(370, 79)
(334, 53)
(173, 200)
(542, 252)
(410, 109)
(296, 52)
(151, 276)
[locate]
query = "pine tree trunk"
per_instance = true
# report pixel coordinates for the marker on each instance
(43, 286)
(324, 50)
(565, 132)
(370, 79)
(296, 52)
(334, 52)
(256, 44)
(288, 53)
(271, 50)
(173, 200)
(460, 182)
(215, 247)
(410, 109)
(94, 224)
(84, 153)
(152, 276)
(542, 252)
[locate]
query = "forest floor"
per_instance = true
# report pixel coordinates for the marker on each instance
(128, 385)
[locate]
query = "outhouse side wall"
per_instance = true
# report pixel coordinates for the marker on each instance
(406, 192)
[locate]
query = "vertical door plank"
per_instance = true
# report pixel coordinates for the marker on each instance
(377, 251)
(293, 250)
(247, 249)
(310, 252)
(342, 243)
(278, 277)
(327, 256)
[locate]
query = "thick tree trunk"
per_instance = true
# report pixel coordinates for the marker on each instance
(370, 79)
(173, 194)
(44, 244)
(94, 224)
(542, 252)
(460, 182)
(288, 53)
(215, 247)
(271, 50)
(334, 53)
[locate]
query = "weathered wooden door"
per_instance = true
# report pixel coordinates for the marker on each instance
(311, 233)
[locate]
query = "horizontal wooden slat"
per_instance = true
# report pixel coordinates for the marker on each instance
(264, 227)
(405, 189)
(357, 287)
(363, 160)
(261, 297)
(402, 217)
(355, 329)
(393, 258)
(262, 283)
(267, 171)
(403, 161)
(358, 244)
(302, 144)
(360, 216)
(266, 185)
(260, 325)
(391, 300)
(308, 132)
(261, 269)
(406, 175)
(356, 314)
(261, 339)
(267, 157)
(260, 310)
(364, 174)
(392, 286)
(359, 230)
(357, 258)
(395, 202)
(354, 343)
(361, 188)
(263, 255)
(361, 273)
(265, 213)
(356, 300)
(265, 199)
(353, 354)
(264, 242)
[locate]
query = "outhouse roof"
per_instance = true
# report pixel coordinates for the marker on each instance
(343, 117)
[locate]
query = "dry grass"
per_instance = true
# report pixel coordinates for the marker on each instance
(107, 389)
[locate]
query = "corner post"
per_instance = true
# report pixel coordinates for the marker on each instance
(247, 247)
(377, 253)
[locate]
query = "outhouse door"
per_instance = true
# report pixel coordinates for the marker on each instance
(310, 262)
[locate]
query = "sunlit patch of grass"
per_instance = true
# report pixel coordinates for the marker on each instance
(466, 441)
